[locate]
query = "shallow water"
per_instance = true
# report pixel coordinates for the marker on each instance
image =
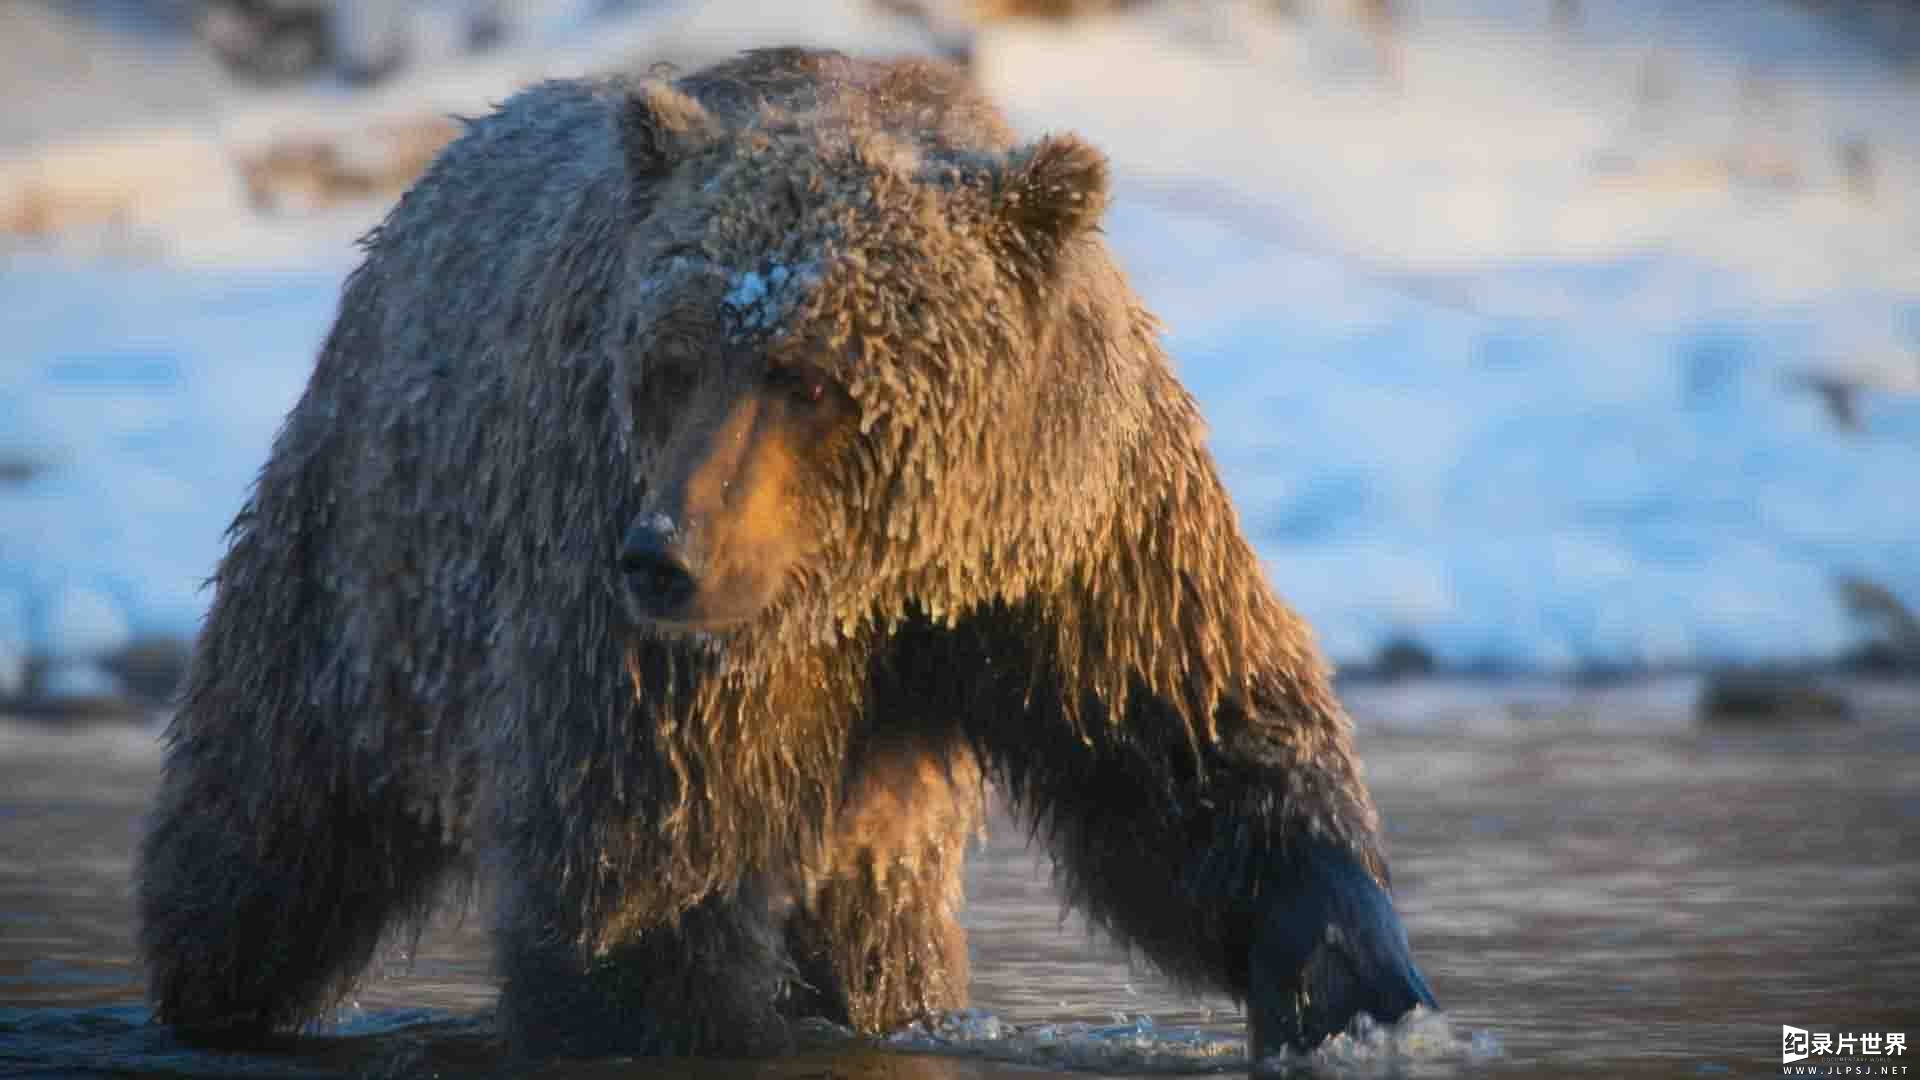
(1592, 886)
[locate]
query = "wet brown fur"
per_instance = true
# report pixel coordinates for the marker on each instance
(1014, 557)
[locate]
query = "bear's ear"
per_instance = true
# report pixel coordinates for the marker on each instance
(660, 125)
(1052, 191)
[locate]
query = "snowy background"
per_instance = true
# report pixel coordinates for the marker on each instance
(1511, 325)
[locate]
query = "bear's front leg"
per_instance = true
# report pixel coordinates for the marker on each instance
(264, 888)
(705, 983)
(1248, 863)
(877, 935)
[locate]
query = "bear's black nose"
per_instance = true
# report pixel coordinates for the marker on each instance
(655, 567)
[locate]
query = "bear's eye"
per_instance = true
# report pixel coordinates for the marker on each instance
(800, 384)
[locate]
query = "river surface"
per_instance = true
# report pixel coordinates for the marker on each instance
(1593, 884)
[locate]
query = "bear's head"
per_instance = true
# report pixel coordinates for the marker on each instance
(861, 368)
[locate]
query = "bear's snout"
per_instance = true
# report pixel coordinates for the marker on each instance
(658, 571)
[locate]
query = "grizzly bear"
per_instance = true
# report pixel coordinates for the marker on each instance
(706, 489)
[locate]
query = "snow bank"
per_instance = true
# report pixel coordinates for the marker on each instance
(1504, 352)
(146, 397)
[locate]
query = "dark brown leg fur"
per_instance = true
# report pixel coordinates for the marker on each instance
(878, 941)
(707, 983)
(257, 913)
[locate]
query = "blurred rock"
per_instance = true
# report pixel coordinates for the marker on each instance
(76, 691)
(1841, 384)
(313, 172)
(16, 469)
(1857, 164)
(1838, 394)
(266, 41)
(1741, 697)
(1602, 674)
(120, 182)
(995, 10)
(1892, 25)
(149, 668)
(1893, 643)
(1399, 658)
(1877, 659)
(273, 42)
(371, 39)
(13, 644)
(1403, 658)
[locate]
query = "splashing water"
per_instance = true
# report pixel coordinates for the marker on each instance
(1136, 1045)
